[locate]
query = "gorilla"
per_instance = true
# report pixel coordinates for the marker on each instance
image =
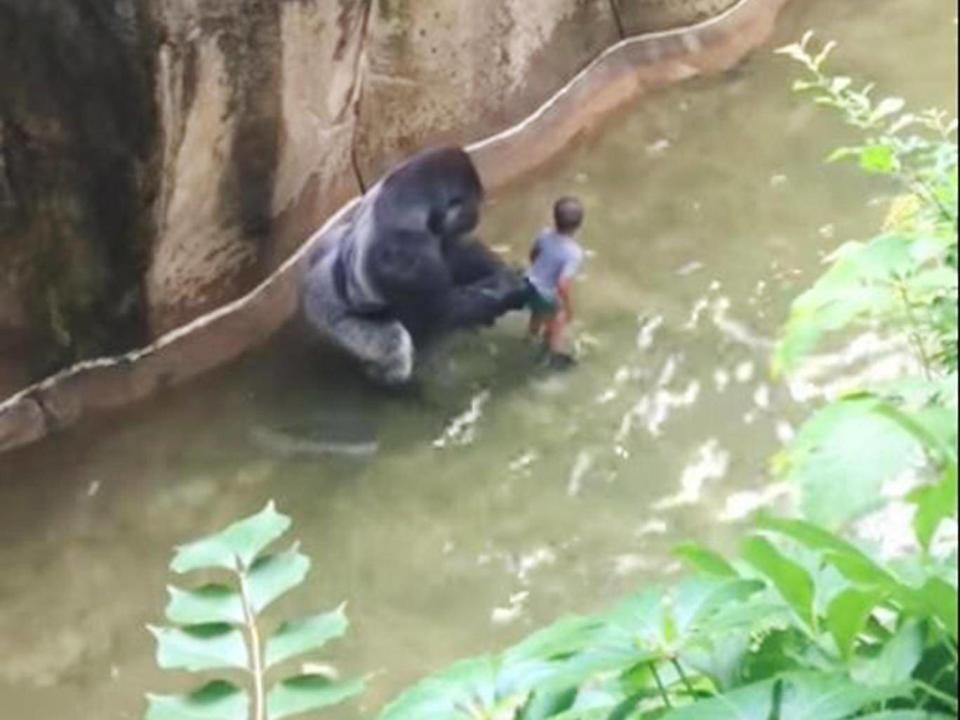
(405, 270)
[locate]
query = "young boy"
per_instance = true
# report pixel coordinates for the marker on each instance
(554, 261)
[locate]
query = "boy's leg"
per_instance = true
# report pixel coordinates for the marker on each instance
(537, 325)
(556, 328)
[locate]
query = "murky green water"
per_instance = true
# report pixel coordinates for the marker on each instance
(499, 496)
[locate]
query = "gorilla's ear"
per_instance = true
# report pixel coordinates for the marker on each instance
(459, 217)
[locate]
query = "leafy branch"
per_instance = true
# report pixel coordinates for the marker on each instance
(218, 626)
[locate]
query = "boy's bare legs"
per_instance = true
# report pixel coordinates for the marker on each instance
(555, 330)
(538, 324)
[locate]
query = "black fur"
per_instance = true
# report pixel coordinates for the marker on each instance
(419, 257)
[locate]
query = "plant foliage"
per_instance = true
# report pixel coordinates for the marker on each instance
(803, 624)
(218, 627)
(901, 283)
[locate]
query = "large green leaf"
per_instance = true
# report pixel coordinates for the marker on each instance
(236, 547)
(791, 579)
(307, 693)
(696, 600)
(847, 615)
(906, 715)
(794, 696)
(935, 503)
(272, 576)
(704, 561)
(856, 286)
(857, 566)
(934, 598)
(217, 700)
(813, 696)
(302, 636)
(552, 659)
(462, 692)
(542, 706)
(200, 647)
(896, 662)
(837, 480)
(939, 599)
(208, 604)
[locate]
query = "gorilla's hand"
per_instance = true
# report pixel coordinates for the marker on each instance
(483, 302)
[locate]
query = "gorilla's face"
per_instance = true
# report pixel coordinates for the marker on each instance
(461, 217)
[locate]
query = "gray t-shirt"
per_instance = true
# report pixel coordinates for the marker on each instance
(558, 257)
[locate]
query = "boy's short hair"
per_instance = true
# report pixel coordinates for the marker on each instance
(568, 214)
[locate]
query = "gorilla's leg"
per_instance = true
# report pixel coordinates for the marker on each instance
(383, 346)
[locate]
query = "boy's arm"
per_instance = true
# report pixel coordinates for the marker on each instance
(565, 284)
(535, 251)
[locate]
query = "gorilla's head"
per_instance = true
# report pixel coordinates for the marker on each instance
(437, 191)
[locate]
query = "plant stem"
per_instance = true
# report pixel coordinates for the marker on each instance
(256, 659)
(938, 695)
(915, 333)
(683, 676)
(660, 687)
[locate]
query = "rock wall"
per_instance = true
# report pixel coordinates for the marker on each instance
(616, 78)
(642, 16)
(158, 158)
(77, 127)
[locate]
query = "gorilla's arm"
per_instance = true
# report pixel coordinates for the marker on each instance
(484, 301)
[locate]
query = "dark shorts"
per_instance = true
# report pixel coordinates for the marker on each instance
(538, 304)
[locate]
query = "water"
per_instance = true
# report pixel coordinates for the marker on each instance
(493, 496)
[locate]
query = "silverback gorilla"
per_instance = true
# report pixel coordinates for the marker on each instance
(404, 268)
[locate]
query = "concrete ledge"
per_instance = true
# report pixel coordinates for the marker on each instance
(619, 75)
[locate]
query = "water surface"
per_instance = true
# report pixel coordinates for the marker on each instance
(497, 495)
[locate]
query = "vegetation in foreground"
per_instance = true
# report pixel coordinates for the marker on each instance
(804, 624)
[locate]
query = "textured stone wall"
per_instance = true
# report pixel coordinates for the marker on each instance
(158, 158)
(641, 16)
(301, 189)
(256, 101)
(438, 70)
(77, 127)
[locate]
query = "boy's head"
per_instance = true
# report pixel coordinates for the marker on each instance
(568, 215)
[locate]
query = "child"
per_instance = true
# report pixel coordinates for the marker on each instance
(554, 261)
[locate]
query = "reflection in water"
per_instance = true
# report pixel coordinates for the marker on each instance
(494, 495)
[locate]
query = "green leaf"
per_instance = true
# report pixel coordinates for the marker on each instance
(218, 700)
(697, 599)
(272, 576)
(791, 580)
(302, 636)
(794, 696)
(234, 548)
(879, 159)
(896, 662)
(208, 604)
(820, 697)
(837, 480)
(886, 107)
(847, 616)
(906, 715)
(460, 692)
(200, 647)
(542, 706)
(703, 560)
(935, 503)
(939, 598)
(308, 693)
